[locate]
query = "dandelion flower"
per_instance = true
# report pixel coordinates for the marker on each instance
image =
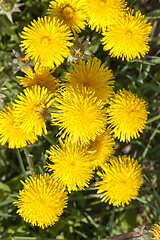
(102, 148)
(102, 12)
(121, 181)
(94, 75)
(127, 115)
(155, 231)
(11, 132)
(31, 109)
(41, 201)
(126, 36)
(70, 12)
(72, 165)
(80, 114)
(46, 41)
(41, 76)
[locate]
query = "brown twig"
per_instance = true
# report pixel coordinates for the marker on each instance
(122, 236)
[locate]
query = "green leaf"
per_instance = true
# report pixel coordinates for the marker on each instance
(4, 187)
(153, 15)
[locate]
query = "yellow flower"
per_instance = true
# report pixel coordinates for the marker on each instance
(46, 41)
(126, 36)
(102, 12)
(11, 132)
(80, 114)
(102, 148)
(70, 11)
(40, 76)
(155, 231)
(121, 181)
(94, 75)
(41, 201)
(72, 165)
(127, 115)
(31, 108)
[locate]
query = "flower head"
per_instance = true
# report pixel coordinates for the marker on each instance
(70, 12)
(102, 148)
(126, 36)
(92, 75)
(46, 41)
(102, 12)
(155, 231)
(80, 114)
(71, 165)
(41, 201)
(11, 132)
(41, 76)
(31, 109)
(121, 181)
(127, 115)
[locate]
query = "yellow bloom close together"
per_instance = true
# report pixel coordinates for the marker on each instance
(121, 181)
(70, 12)
(94, 75)
(127, 115)
(102, 12)
(126, 37)
(31, 108)
(102, 148)
(40, 76)
(41, 201)
(72, 165)
(80, 114)
(11, 132)
(155, 231)
(46, 41)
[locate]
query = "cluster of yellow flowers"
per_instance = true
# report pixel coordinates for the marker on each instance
(86, 108)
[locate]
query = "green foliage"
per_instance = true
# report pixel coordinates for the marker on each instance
(85, 217)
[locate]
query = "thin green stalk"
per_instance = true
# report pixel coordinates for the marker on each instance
(50, 139)
(149, 142)
(29, 160)
(21, 163)
(153, 119)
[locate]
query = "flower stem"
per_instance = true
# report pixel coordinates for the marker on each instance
(21, 163)
(50, 139)
(29, 160)
(153, 119)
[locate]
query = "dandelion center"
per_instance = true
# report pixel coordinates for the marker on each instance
(68, 12)
(16, 125)
(45, 41)
(102, 3)
(128, 33)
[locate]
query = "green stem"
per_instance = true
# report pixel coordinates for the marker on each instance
(21, 163)
(49, 139)
(153, 119)
(29, 160)
(149, 142)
